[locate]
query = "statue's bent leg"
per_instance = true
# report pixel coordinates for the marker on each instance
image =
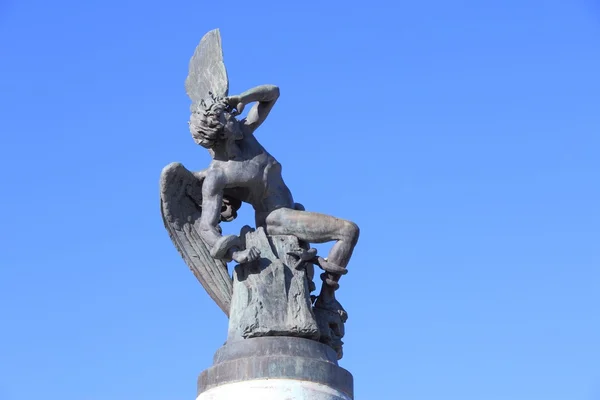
(317, 228)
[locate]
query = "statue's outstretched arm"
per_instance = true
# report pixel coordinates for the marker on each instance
(221, 247)
(212, 198)
(265, 95)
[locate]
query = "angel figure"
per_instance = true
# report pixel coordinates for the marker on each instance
(241, 170)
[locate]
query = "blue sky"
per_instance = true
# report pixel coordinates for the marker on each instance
(463, 138)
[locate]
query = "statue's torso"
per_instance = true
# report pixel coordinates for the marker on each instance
(256, 177)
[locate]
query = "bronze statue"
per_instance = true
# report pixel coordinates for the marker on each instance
(241, 170)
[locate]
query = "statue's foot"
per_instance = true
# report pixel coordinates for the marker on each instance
(330, 267)
(332, 274)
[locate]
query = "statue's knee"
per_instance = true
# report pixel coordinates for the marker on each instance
(351, 232)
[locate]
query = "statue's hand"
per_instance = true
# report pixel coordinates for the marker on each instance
(246, 256)
(235, 102)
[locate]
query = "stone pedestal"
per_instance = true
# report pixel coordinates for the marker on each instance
(275, 368)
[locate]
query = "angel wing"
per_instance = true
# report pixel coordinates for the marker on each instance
(180, 200)
(207, 73)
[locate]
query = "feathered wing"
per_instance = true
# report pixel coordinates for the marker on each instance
(207, 71)
(180, 200)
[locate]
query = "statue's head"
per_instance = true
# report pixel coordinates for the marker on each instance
(214, 125)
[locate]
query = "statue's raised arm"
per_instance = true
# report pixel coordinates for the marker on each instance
(265, 97)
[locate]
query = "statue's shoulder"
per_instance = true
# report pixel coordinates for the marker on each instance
(215, 176)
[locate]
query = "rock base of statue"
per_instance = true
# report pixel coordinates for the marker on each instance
(275, 368)
(271, 297)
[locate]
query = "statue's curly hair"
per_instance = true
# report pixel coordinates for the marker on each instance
(206, 123)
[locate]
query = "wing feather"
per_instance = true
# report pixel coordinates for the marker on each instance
(207, 71)
(181, 216)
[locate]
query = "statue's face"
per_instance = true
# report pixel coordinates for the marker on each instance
(233, 129)
(233, 133)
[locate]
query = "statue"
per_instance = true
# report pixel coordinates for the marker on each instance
(270, 290)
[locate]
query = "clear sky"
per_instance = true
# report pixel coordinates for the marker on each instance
(463, 137)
